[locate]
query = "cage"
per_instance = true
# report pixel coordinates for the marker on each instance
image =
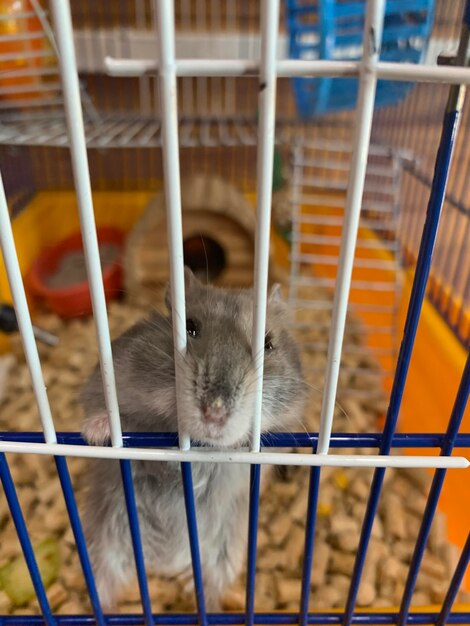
(183, 116)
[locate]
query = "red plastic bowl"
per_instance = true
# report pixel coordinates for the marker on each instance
(74, 300)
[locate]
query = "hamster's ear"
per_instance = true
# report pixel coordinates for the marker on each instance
(275, 295)
(190, 281)
(96, 429)
(276, 304)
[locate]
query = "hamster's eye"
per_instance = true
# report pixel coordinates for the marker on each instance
(268, 343)
(192, 328)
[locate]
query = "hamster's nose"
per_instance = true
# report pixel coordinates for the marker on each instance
(215, 412)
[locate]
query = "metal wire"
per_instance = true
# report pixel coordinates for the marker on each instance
(265, 160)
(269, 440)
(132, 514)
(15, 280)
(194, 541)
(73, 110)
(255, 477)
(310, 523)
(248, 457)
(171, 170)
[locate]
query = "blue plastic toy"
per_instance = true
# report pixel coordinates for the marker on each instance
(333, 30)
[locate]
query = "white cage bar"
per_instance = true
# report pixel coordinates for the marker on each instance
(267, 116)
(365, 110)
(235, 456)
(288, 68)
(73, 110)
(171, 170)
(24, 319)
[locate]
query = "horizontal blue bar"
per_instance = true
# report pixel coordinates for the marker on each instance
(229, 619)
(274, 440)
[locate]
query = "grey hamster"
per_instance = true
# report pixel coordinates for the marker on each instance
(218, 381)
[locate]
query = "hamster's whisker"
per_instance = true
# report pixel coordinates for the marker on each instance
(301, 424)
(307, 384)
(207, 262)
(169, 357)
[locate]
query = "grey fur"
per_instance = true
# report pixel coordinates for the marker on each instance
(218, 365)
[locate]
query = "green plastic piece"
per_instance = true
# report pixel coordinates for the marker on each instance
(15, 578)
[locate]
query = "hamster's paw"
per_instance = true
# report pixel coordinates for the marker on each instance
(96, 429)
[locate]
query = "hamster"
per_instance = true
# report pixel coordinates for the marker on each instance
(218, 382)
